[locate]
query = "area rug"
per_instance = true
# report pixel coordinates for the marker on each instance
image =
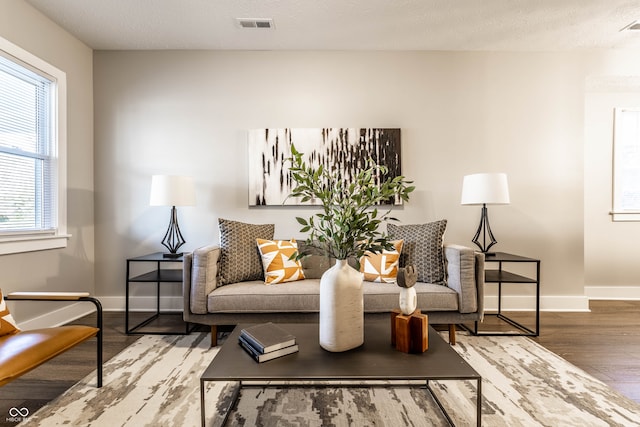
(155, 382)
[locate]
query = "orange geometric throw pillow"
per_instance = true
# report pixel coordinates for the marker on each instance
(382, 267)
(7, 324)
(276, 264)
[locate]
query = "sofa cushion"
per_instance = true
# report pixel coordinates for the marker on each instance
(384, 297)
(422, 248)
(383, 266)
(304, 297)
(7, 324)
(254, 297)
(239, 256)
(276, 262)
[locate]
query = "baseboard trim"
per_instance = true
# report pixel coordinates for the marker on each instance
(58, 317)
(72, 312)
(167, 303)
(612, 292)
(558, 303)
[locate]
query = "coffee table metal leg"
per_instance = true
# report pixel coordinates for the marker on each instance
(444, 411)
(478, 403)
(234, 401)
(202, 415)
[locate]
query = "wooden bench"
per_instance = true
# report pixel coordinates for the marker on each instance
(26, 350)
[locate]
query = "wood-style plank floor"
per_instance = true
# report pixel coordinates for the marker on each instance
(604, 343)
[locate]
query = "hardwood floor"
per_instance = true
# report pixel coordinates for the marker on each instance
(605, 343)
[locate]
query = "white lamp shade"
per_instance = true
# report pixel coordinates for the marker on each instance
(485, 188)
(172, 190)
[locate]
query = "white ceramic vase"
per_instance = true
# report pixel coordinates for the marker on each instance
(341, 308)
(408, 300)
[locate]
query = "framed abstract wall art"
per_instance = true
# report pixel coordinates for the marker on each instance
(347, 149)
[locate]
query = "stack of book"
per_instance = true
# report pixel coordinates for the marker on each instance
(267, 341)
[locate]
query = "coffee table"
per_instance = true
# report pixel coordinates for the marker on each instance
(375, 360)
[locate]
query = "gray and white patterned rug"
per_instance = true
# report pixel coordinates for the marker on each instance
(155, 382)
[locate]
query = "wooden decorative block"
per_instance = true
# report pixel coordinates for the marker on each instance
(394, 313)
(409, 333)
(419, 328)
(403, 333)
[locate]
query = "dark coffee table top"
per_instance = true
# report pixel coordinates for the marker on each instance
(376, 359)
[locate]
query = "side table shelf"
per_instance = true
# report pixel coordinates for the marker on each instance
(502, 276)
(157, 275)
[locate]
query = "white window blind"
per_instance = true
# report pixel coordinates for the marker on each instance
(27, 150)
(626, 165)
(32, 152)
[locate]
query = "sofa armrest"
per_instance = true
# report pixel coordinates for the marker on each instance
(200, 277)
(465, 274)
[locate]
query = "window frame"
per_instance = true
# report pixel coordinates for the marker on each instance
(36, 240)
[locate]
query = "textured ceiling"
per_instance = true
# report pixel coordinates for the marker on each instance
(501, 25)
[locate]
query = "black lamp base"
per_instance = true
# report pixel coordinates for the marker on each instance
(484, 231)
(173, 238)
(171, 255)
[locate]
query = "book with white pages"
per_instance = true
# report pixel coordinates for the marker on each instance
(267, 337)
(263, 357)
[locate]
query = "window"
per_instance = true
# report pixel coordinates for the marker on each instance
(32, 149)
(626, 165)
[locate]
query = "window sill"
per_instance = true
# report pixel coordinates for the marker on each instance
(15, 245)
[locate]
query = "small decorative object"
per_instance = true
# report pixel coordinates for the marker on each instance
(409, 327)
(408, 299)
(410, 333)
(172, 190)
(346, 228)
(485, 189)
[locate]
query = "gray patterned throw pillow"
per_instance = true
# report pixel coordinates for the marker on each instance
(422, 248)
(239, 257)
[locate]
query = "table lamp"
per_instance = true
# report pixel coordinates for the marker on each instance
(172, 190)
(485, 189)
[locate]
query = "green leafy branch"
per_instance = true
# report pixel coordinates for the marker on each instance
(349, 221)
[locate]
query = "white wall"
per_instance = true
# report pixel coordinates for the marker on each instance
(187, 112)
(612, 270)
(70, 269)
(460, 113)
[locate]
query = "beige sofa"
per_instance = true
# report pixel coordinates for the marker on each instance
(457, 300)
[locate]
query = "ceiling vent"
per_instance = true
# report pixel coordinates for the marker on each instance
(266, 23)
(634, 26)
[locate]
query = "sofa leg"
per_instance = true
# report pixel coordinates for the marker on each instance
(452, 334)
(214, 335)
